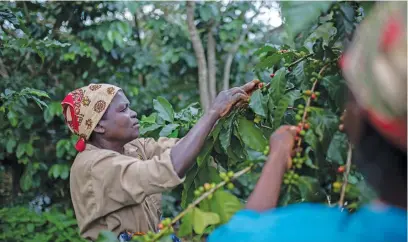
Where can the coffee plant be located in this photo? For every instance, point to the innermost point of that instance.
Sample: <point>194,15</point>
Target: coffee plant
<point>304,88</point>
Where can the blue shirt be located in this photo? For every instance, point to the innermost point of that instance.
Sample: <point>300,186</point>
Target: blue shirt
<point>313,222</point>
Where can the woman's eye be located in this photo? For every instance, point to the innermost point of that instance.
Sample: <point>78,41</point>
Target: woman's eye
<point>123,110</point>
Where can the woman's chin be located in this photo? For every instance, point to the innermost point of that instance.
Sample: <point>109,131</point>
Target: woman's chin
<point>135,133</point>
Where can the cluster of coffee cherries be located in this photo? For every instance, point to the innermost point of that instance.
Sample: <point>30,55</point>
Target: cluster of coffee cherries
<point>298,160</point>
<point>290,177</point>
<point>300,111</point>
<point>311,94</point>
<point>205,188</point>
<point>266,150</point>
<point>165,223</point>
<point>227,178</point>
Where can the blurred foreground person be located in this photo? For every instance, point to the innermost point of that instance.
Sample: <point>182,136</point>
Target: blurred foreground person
<point>376,123</point>
<point>117,178</point>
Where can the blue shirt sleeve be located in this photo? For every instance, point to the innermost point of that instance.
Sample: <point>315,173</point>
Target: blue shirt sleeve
<point>310,222</point>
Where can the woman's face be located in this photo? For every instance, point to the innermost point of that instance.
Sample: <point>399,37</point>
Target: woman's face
<point>119,123</point>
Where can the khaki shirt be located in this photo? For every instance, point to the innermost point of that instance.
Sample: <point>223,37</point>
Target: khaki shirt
<point>117,192</point>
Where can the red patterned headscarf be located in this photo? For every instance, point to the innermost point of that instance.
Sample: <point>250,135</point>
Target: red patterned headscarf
<point>84,107</point>
<point>375,67</point>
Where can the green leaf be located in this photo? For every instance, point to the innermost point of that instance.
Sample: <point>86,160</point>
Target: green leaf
<point>309,161</point>
<point>110,35</point>
<point>205,152</point>
<point>188,187</point>
<point>29,149</point>
<point>20,150</point>
<point>151,119</point>
<point>278,85</point>
<point>107,45</point>
<point>168,129</point>
<point>337,151</point>
<point>251,135</point>
<point>300,15</point>
<point>254,155</point>
<point>266,48</point>
<point>285,198</point>
<point>311,139</point>
<point>325,125</point>
<point>205,12</point>
<point>257,103</point>
<point>202,219</point>
<point>144,130</point>
<point>225,205</point>
<point>65,172</point>
<point>35,92</point>
<point>11,143</point>
<point>337,89</point>
<point>28,121</point>
<point>26,180</point>
<point>39,102</point>
<point>39,53</point>
<point>106,236</point>
<point>299,72</point>
<point>30,227</point>
<point>164,109</point>
<point>309,188</point>
<point>186,227</point>
<point>344,21</point>
<point>174,134</point>
<point>269,61</point>
<point>13,118</point>
<point>48,117</point>
<point>225,136</point>
<point>56,170</point>
<point>280,111</point>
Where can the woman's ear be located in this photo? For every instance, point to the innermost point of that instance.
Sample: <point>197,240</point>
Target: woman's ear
<point>99,129</point>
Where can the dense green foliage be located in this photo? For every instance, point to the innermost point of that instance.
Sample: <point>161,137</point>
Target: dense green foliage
<point>145,48</point>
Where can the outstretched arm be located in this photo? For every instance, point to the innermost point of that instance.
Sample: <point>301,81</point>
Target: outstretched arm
<point>183,154</point>
<point>266,193</point>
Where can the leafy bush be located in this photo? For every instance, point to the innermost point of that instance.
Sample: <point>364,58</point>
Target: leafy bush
<point>23,224</point>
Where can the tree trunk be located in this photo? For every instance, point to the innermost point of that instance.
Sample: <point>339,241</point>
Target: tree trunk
<point>212,71</point>
<point>233,51</point>
<point>140,76</point>
<point>199,53</point>
<point>230,58</point>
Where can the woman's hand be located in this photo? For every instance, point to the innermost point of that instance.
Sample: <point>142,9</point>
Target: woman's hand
<point>227,99</point>
<point>282,141</point>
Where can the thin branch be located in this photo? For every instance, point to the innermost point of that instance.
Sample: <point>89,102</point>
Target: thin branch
<point>198,200</point>
<point>345,179</point>
<point>309,101</point>
<point>300,60</point>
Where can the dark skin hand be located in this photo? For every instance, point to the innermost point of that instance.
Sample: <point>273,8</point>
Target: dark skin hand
<point>266,193</point>
<point>184,153</point>
<point>120,125</point>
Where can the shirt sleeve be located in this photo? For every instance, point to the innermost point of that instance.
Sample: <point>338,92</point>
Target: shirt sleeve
<point>121,180</point>
<point>154,148</point>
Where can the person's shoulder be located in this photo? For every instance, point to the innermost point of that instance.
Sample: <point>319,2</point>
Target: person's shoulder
<point>300,222</point>
<point>91,155</point>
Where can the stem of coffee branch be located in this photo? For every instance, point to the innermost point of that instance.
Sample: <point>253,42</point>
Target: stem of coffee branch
<point>345,179</point>
<point>198,200</point>
<point>309,101</point>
